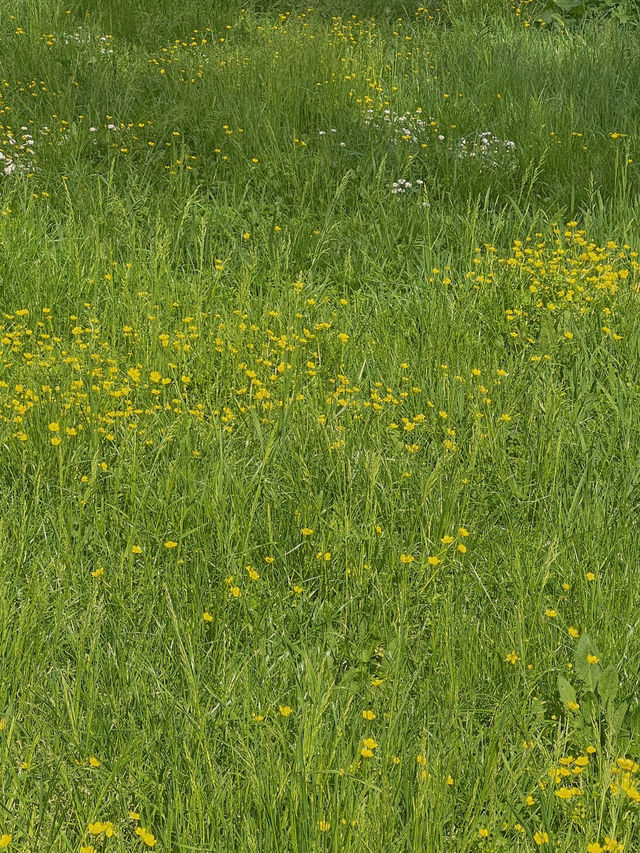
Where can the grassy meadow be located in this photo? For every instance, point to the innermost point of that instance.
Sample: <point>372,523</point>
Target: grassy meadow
<point>319,435</point>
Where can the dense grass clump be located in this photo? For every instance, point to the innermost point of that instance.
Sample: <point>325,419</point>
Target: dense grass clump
<point>318,416</point>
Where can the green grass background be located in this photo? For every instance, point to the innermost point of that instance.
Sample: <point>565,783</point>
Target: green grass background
<point>123,240</point>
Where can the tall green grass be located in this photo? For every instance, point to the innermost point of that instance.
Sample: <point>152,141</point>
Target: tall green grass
<point>304,269</point>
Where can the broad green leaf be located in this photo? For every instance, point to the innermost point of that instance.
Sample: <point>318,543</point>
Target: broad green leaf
<point>589,707</point>
<point>608,684</point>
<point>618,718</point>
<point>566,691</point>
<point>634,722</point>
<point>586,661</point>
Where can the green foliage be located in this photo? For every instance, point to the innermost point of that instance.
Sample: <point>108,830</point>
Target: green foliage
<point>593,704</point>
<point>565,11</point>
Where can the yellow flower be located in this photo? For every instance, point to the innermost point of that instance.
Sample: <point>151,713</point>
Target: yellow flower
<point>146,836</point>
<point>594,847</point>
<point>368,715</point>
<point>89,848</point>
<point>306,531</point>
<point>573,632</point>
<point>97,573</point>
<point>434,561</point>
<point>590,576</point>
<point>447,540</point>
<point>54,426</point>
<point>170,544</point>
<point>285,710</point>
<point>483,833</point>
<point>462,548</point>
<point>541,838</point>
<point>592,659</point>
<point>564,793</point>
<point>134,816</point>
<point>365,752</point>
<point>93,761</point>
<point>551,613</point>
<point>136,549</point>
<point>463,531</point>
<point>99,827</point>
<point>406,558</point>
<point>56,440</point>
<point>324,826</point>
<point>207,617</point>
<point>573,706</point>
<point>235,591</point>
<point>512,658</point>
<point>155,376</point>
<point>343,337</point>
<point>370,743</point>
<point>5,840</point>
